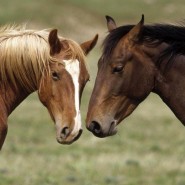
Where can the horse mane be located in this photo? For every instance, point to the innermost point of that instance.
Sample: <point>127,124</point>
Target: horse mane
<point>25,55</point>
<point>151,35</point>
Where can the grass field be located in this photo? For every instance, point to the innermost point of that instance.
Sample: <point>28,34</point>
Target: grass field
<point>149,148</point>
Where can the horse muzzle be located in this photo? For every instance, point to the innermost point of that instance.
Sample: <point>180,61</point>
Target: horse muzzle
<point>100,130</point>
<point>64,136</point>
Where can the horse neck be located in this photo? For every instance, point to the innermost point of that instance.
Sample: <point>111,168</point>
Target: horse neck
<point>11,97</point>
<point>170,85</point>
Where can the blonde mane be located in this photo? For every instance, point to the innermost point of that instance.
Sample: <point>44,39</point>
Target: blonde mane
<point>25,55</point>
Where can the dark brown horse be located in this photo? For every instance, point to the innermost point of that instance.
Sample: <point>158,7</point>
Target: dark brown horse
<point>136,60</point>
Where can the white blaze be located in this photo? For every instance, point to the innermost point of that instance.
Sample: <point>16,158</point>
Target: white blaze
<point>73,68</point>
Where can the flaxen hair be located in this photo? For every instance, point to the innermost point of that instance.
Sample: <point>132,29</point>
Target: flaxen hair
<point>25,56</point>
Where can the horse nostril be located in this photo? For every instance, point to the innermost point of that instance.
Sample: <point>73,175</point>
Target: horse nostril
<point>95,127</point>
<point>64,132</point>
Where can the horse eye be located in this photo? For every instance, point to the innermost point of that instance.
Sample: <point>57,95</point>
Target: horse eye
<point>55,76</point>
<point>118,69</point>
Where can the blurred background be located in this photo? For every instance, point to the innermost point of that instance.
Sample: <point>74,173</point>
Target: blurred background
<point>149,148</point>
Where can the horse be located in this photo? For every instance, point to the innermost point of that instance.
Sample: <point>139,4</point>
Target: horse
<point>43,61</point>
<point>137,60</point>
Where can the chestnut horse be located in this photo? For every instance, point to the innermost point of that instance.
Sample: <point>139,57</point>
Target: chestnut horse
<point>136,60</point>
<point>41,60</point>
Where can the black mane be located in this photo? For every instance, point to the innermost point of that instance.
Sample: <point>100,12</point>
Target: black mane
<point>154,34</point>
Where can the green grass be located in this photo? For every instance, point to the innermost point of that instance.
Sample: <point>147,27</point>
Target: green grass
<point>149,147</point>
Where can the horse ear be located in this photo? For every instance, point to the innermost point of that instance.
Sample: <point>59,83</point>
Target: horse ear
<point>111,24</point>
<point>54,42</point>
<point>135,33</point>
<point>89,45</point>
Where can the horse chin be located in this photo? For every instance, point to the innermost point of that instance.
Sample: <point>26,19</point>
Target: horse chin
<point>113,129</point>
<point>114,132</point>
